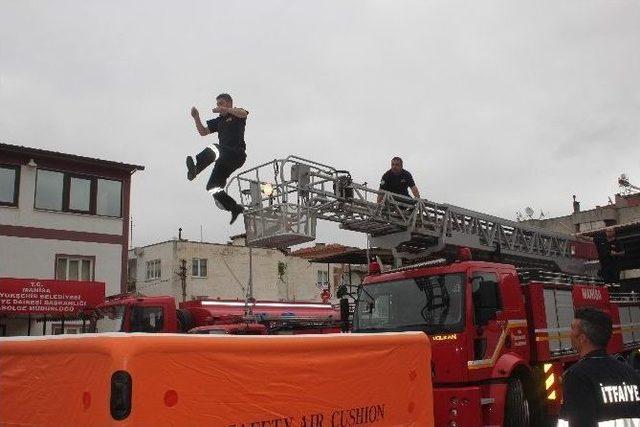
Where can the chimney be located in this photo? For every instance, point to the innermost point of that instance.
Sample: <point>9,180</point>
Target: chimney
<point>576,205</point>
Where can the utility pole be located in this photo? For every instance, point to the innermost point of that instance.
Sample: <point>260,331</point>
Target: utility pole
<point>248,306</point>
<point>131,232</point>
<point>183,278</point>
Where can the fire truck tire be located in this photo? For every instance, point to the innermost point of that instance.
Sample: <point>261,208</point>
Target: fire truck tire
<point>185,320</point>
<point>516,408</point>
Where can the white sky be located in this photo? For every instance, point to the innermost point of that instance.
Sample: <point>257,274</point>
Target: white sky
<point>494,105</point>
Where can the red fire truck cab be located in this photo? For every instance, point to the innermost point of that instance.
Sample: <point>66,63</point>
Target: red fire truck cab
<point>499,335</point>
<point>153,314</point>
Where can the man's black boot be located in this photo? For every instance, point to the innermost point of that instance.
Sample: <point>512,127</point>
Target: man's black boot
<point>226,202</point>
<point>235,212</point>
<point>191,169</point>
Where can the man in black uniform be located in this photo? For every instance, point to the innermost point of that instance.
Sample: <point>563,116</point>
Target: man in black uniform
<point>598,389</point>
<point>398,180</point>
<point>228,155</point>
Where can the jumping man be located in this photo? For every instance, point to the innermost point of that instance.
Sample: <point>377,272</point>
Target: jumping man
<point>227,156</point>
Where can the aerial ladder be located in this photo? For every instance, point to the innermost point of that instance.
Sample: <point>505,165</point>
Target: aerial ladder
<point>285,198</point>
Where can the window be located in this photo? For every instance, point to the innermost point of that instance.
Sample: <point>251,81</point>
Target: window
<point>59,191</point>
<point>110,319</point>
<point>9,185</point>
<point>486,297</point>
<point>109,197</point>
<point>56,329</point>
<point>73,267</point>
<point>153,269</point>
<point>323,279</point>
<point>433,303</point>
<point>79,194</point>
<point>199,267</point>
<point>49,190</point>
<point>147,319</point>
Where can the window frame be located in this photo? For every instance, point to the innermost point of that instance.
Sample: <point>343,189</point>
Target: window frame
<point>320,284</point>
<point>206,265</point>
<point>499,299</point>
<point>66,193</point>
<point>95,199</point>
<point>16,185</point>
<point>152,263</point>
<point>35,191</point>
<point>57,327</point>
<point>91,258</point>
<point>137,316</point>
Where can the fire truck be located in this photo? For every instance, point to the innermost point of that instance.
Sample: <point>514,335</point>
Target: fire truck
<point>158,314</point>
<point>500,334</point>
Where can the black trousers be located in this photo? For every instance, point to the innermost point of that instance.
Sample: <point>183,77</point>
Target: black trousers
<point>228,162</point>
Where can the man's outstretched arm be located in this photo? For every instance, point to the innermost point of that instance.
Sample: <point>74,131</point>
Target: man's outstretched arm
<point>202,129</point>
<point>415,191</point>
<point>238,112</point>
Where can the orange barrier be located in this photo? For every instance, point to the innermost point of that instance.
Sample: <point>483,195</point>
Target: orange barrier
<point>232,381</point>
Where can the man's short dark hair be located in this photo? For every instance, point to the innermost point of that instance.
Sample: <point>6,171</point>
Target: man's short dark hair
<point>225,96</point>
<point>595,324</point>
<point>397,159</point>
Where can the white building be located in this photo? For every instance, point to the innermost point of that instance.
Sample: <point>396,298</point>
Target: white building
<point>222,271</point>
<point>63,217</point>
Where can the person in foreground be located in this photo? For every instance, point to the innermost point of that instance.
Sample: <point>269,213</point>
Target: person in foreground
<point>598,390</point>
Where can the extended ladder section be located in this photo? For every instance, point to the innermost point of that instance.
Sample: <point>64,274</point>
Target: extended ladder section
<point>285,198</point>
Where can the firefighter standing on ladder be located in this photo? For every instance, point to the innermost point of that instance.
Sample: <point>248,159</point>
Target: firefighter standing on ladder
<point>227,156</point>
<point>598,389</point>
<point>398,180</point>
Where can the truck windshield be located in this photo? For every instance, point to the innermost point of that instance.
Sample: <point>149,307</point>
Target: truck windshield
<point>434,304</point>
<point>110,319</point>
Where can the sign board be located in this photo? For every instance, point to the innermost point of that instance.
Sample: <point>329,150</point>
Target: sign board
<point>58,297</point>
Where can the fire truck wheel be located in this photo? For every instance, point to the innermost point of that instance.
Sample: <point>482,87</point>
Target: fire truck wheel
<point>185,320</point>
<point>516,408</point>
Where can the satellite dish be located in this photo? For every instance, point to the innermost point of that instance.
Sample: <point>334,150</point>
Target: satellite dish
<point>529,211</point>
<point>623,181</point>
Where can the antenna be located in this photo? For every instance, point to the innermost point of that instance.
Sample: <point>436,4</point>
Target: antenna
<point>529,211</point>
<point>625,185</point>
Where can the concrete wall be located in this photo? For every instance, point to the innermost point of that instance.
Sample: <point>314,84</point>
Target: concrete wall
<point>228,272</point>
<point>165,253</point>
<point>589,220</point>
<point>35,258</point>
<point>626,215</point>
<point>26,216</point>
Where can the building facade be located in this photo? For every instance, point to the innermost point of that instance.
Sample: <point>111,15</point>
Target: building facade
<point>63,217</point>
<point>215,270</point>
<point>624,209</point>
<point>615,229</point>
